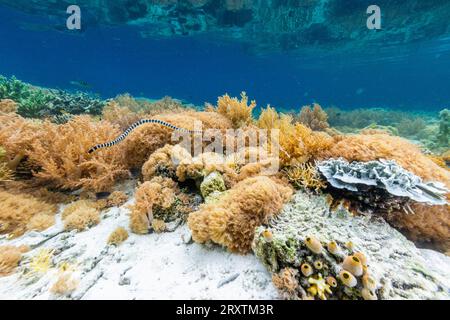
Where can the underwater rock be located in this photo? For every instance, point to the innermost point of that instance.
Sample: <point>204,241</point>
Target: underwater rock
<point>393,267</point>
<point>384,174</point>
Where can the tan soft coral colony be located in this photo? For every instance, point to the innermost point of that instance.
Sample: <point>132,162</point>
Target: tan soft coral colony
<point>232,219</point>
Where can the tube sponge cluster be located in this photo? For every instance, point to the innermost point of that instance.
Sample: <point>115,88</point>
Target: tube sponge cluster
<point>231,219</point>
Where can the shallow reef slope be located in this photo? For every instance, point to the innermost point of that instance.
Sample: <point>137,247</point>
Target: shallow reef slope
<point>400,270</point>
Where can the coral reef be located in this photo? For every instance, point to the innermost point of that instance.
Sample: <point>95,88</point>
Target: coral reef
<point>232,219</point>
<point>238,111</point>
<point>35,102</point>
<point>384,174</point>
<point>376,248</point>
<point>314,118</point>
<point>20,211</point>
<point>118,236</point>
<point>159,198</point>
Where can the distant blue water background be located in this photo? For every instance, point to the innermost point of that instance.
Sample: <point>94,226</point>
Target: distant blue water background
<point>199,69</point>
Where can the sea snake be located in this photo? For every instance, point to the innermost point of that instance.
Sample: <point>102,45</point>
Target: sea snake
<point>134,126</point>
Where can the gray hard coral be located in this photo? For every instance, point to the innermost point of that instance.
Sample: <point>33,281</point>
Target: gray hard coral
<point>382,174</point>
<point>393,267</point>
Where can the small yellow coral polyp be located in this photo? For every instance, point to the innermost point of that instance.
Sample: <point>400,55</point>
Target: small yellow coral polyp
<point>319,287</point>
<point>41,262</point>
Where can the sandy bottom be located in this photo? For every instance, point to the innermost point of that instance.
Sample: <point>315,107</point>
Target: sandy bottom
<point>154,266</point>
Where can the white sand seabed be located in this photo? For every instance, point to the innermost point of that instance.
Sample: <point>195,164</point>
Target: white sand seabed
<point>154,266</point>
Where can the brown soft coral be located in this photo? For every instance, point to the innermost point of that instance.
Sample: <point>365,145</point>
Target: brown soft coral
<point>10,257</point>
<point>314,118</point>
<point>231,220</point>
<point>80,215</point>
<point>61,154</point>
<point>20,211</point>
<point>8,106</point>
<point>17,136</point>
<point>158,198</point>
<point>238,111</point>
<point>118,236</point>
<point>428,224</point>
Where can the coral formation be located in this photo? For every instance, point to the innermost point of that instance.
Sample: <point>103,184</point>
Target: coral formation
<point>124,110</point>
<point>61,154</point>
<point>385,174</point>
<point>298,143</point>
<point>35,102</point>
<point>65,285</point>
<point>212,183</point>
<point>8,106</point>
<point>238,111</point>
<point>231,220</point>
<point>304,175</point>
<point>20,211</point>
<point>158,198</point>
<point>80,216</point>
<point>366,148</point>
<point>10,257</point>
<point>314,118</point>
<point>118,236</point>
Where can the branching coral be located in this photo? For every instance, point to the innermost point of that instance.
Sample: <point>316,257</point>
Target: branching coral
<point>238,111</point>
<point>158,198</point>
<point>80,216</point>
<point>61,154</point>
<point>231,220</point>
<point>118,236</point>
<point>314,118</point>
<point>304,175</point>
<point>298,143</point>
<point>18,210</point>
<point>10,257</point>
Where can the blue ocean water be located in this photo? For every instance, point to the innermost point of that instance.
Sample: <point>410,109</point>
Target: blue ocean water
<point>198,69</point>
